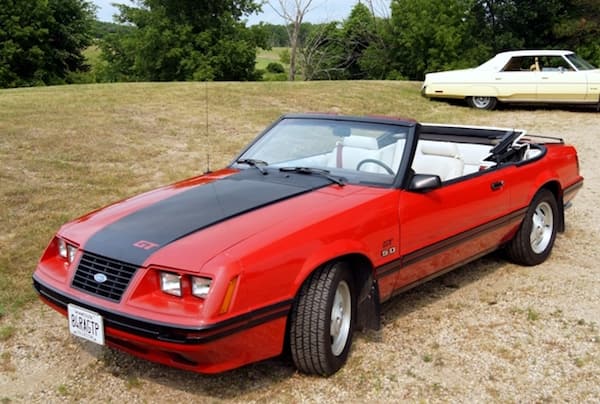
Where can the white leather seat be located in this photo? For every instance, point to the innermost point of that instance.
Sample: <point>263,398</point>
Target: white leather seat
<point>438,158</point>
<point>352,150</point>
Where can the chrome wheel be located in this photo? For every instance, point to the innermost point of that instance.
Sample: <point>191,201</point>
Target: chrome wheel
<point>542,227</point>
<point>534,240</point>
<point>341,315</point>
<point>482,102</point>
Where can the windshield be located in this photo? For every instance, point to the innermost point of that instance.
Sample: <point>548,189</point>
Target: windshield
<point>358,151</point>
<point>579,63</point>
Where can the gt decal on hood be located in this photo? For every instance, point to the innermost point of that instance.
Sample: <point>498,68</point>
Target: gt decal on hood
<point>135,237</point>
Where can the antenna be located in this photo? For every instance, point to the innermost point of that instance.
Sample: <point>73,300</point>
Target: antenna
<point>207,132</point>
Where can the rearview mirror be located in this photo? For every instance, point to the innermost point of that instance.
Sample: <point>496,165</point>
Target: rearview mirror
<point>424,182</point>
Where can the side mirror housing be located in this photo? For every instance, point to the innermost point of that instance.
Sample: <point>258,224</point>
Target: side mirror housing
<point>424,183</point>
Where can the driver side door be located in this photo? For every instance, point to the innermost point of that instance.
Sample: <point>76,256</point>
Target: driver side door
<point>449,226</point>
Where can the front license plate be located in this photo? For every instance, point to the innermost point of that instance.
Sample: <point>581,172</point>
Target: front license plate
<point>86,324</point>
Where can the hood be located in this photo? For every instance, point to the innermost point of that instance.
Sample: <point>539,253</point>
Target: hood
<point>131,234</point>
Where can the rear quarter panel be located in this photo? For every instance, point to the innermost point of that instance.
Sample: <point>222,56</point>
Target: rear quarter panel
<point>558,165</point>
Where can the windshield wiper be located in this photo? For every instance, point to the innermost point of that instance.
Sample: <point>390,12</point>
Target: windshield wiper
<point>256,164</point>
<point>311,171</point>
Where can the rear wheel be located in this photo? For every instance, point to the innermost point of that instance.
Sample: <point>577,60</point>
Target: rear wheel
<point>322,320</point>
<point>479,102</point>
<point>534,241</point>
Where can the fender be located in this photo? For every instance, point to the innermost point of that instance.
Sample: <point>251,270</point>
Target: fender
<point>326,253</point>
<point>368,311</point>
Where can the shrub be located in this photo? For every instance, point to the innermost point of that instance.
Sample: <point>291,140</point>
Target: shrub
<point>275,67</point>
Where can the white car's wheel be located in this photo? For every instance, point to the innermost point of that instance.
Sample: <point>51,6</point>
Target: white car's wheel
<point>480,102</point>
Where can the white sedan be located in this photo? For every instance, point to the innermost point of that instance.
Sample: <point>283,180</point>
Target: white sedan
<point>532,76</point>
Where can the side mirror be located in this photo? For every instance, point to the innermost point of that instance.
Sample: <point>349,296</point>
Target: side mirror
<point>424,183</point>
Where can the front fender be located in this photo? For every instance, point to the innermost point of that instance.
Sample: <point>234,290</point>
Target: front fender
<point>326,253</point>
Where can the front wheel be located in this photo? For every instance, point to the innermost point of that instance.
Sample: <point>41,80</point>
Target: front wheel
<point>479,102</point>
<point>322,320</point>
<point>535,238</point>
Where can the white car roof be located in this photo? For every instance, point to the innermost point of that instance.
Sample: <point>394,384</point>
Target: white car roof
<point>500,60</point>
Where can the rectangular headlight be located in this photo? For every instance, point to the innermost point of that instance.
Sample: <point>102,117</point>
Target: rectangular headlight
<point>62,248</point>
<point>71,251</point>
<point>66,250</point>
<point>170,283</point>
<point>200,286</point>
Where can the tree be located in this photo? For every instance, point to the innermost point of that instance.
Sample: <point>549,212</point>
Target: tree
<point>579,29</point>
<point>41,41</point>
<point>323,54</point>
<point>432,35</point>
<point>184,40</point>
<point>336,51</point>
<point>292,12</point>
<point>359,32</point>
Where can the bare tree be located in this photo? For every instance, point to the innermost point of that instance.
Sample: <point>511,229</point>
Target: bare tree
<point>292,12</point>
<point>320,57</point>
<point>379,7</point>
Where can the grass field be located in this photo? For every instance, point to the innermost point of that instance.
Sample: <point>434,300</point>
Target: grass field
<point>67,150</point>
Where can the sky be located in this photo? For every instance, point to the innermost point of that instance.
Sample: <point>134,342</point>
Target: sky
<point>320,11</point>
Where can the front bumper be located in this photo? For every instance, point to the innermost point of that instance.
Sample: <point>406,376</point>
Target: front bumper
<point>210,348</point>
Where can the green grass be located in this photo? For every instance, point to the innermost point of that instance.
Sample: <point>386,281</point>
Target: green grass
<point>67,150</point>
<point>264,57</point>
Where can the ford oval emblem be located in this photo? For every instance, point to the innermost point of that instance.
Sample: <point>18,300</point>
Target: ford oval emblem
<point>100,278</point>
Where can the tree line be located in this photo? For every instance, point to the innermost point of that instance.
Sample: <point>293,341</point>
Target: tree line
<point>42,41</point>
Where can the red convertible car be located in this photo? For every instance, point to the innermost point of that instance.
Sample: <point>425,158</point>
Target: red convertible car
<point>297,243</point>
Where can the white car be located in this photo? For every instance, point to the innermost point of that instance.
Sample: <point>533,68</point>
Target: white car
<point>527,76</point>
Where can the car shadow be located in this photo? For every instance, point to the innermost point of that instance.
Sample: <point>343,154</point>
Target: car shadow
<point>549,107</point>
<point>264,375</point>
<point>441,288</point>
<point>587,108</point>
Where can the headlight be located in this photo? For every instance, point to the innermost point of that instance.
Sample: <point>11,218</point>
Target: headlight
<point>200,286</point>
<point>170,283</point>
<point>66,250</point>
<point>62,248</point>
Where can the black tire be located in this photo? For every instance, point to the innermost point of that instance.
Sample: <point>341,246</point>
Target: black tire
<point>479,102</point>
<point>535,238</point>
<point>314,344</point>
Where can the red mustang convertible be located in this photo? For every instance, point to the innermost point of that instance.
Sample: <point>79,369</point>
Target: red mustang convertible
<point>297,243</point>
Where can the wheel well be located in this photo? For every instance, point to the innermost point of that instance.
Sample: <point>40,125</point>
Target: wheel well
<point>368,312</point>
<point>554,187</point>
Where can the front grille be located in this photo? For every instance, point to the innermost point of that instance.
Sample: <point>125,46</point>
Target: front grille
<point>117,273</point>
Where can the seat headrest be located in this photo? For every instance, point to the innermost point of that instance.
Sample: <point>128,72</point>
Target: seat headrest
<point>440,149</point>
<point>361,142</point>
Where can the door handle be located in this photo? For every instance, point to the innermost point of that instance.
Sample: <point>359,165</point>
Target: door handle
<point>497,185</point>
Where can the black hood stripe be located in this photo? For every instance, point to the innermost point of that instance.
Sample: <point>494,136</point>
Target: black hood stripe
<point>135,237</point>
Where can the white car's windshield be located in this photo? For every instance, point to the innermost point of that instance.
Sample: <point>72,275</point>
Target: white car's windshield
<point>356,150</point>
<point>580,63</point>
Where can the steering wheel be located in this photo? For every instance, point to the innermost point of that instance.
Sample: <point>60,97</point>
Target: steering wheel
<point>377,162</point>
